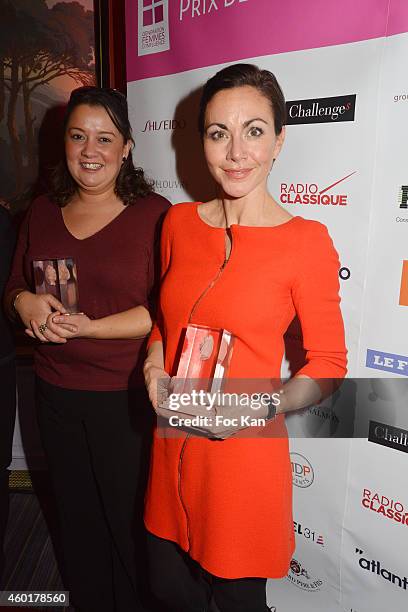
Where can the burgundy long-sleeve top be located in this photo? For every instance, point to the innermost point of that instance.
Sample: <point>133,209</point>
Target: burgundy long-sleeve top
<point>116,270</point>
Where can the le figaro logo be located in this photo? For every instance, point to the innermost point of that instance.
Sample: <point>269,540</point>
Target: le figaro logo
<point>321,110</point>
<point>388,362</point>
<point>375,567</point>
<point>385,506</point>
<point>302,471</point>
<point>312,193</point>
<point>153,26</point>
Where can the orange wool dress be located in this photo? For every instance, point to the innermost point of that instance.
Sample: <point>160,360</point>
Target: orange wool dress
<point>228,503</point>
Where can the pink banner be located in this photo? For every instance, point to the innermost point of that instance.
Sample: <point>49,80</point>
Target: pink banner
<point>169,36</point>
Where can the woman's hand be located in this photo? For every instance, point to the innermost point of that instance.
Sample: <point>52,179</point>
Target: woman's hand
<point>73,325</point>
<point>34,311</point>
<point>157,384</point>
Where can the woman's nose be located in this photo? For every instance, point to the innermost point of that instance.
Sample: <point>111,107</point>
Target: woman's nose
<point>89,148</point>
<point>237,151</point>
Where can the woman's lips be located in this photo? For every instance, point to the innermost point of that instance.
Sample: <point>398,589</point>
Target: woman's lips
<point>91,166</point>
<point>238,174</point>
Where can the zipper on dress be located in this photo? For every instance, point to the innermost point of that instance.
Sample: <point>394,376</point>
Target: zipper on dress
<point>196,303</point>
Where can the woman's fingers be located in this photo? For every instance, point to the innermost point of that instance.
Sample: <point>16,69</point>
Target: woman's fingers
<point>44,334</point>
<point>54,303</point>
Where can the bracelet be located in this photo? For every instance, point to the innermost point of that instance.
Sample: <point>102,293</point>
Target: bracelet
<point>16,298</point>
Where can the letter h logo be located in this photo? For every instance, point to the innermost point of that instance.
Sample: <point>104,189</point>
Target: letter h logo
<point>153,12</point>
<point>153,27</point>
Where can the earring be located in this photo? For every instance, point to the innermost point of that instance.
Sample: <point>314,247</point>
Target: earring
<point>124,159</point>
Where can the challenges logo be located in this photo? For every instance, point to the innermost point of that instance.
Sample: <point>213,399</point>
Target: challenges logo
<point>311,193</point>
<point>388,435</point>
<point>302,471</point>
<point>321,110</point>
<point>153,27</point>
<point>299,576</point>
<point>386,507</point>
<point>376,568</point>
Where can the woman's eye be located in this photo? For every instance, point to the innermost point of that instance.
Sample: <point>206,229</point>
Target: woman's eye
<point>104,139</point>
<point>76,136</point>
<point>218,135</point>
<point>255,131</point>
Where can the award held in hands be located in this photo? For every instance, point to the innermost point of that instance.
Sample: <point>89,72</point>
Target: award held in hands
<point>58,277</point>
<point>204,360</point>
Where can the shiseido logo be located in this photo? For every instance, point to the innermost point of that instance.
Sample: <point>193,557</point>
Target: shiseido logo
<point>388,362</point>
<point>300,577</point>
<point>388,435</point>
<point>385,506</point>
<point>321,110</point>
<point>153,26</point>
<point>153,125</point>
<point>375,567</point>
<point>302,471</point>
<point>312,193</point>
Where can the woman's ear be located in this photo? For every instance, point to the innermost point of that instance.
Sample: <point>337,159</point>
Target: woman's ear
<point>280,139</point>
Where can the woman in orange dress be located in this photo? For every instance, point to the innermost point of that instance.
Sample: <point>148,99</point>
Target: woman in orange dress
<point>219,508</point>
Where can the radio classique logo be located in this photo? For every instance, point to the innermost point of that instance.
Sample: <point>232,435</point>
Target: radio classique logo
<point>311,193</point>
<point>385,506</point>
<point>153,27</point>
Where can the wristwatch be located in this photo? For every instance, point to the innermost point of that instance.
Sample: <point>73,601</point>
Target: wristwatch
<point>271,409</point>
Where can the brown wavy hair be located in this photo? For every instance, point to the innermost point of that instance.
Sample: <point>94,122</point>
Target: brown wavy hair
<point>131,182</point>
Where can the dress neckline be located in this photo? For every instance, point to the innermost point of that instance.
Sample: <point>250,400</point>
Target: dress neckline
<point>244,227</point>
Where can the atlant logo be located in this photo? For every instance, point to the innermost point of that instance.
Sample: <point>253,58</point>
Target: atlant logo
<point>403,299</point>
<point>403,196</point>
<point>153,26</point>
<point>321,110</point>
<point>375,567</point>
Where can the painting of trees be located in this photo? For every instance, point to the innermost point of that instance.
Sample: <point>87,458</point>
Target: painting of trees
<point>38,44</point>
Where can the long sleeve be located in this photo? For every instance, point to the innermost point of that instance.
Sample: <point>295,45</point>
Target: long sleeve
<point>165,257</point>
<point>17,278</point>
<point>316,298</point>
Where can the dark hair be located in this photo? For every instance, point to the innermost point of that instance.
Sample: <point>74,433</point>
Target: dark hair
<point>239,75</point>
<point>130,182</point>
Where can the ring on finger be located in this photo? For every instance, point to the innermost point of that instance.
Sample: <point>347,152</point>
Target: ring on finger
<point>42,327</point>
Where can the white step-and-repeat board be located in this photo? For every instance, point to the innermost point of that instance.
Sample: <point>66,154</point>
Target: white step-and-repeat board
<point>343,69</point>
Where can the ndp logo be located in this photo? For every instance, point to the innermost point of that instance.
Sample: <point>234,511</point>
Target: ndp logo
<point>153,26</point>
<point>302,471</point>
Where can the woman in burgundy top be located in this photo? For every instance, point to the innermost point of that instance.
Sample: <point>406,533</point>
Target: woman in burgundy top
<point>102,219</point>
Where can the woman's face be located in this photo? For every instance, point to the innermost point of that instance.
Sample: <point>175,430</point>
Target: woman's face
<point>240,143</point>
<point>50,275</point>
<point>94,149</point>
